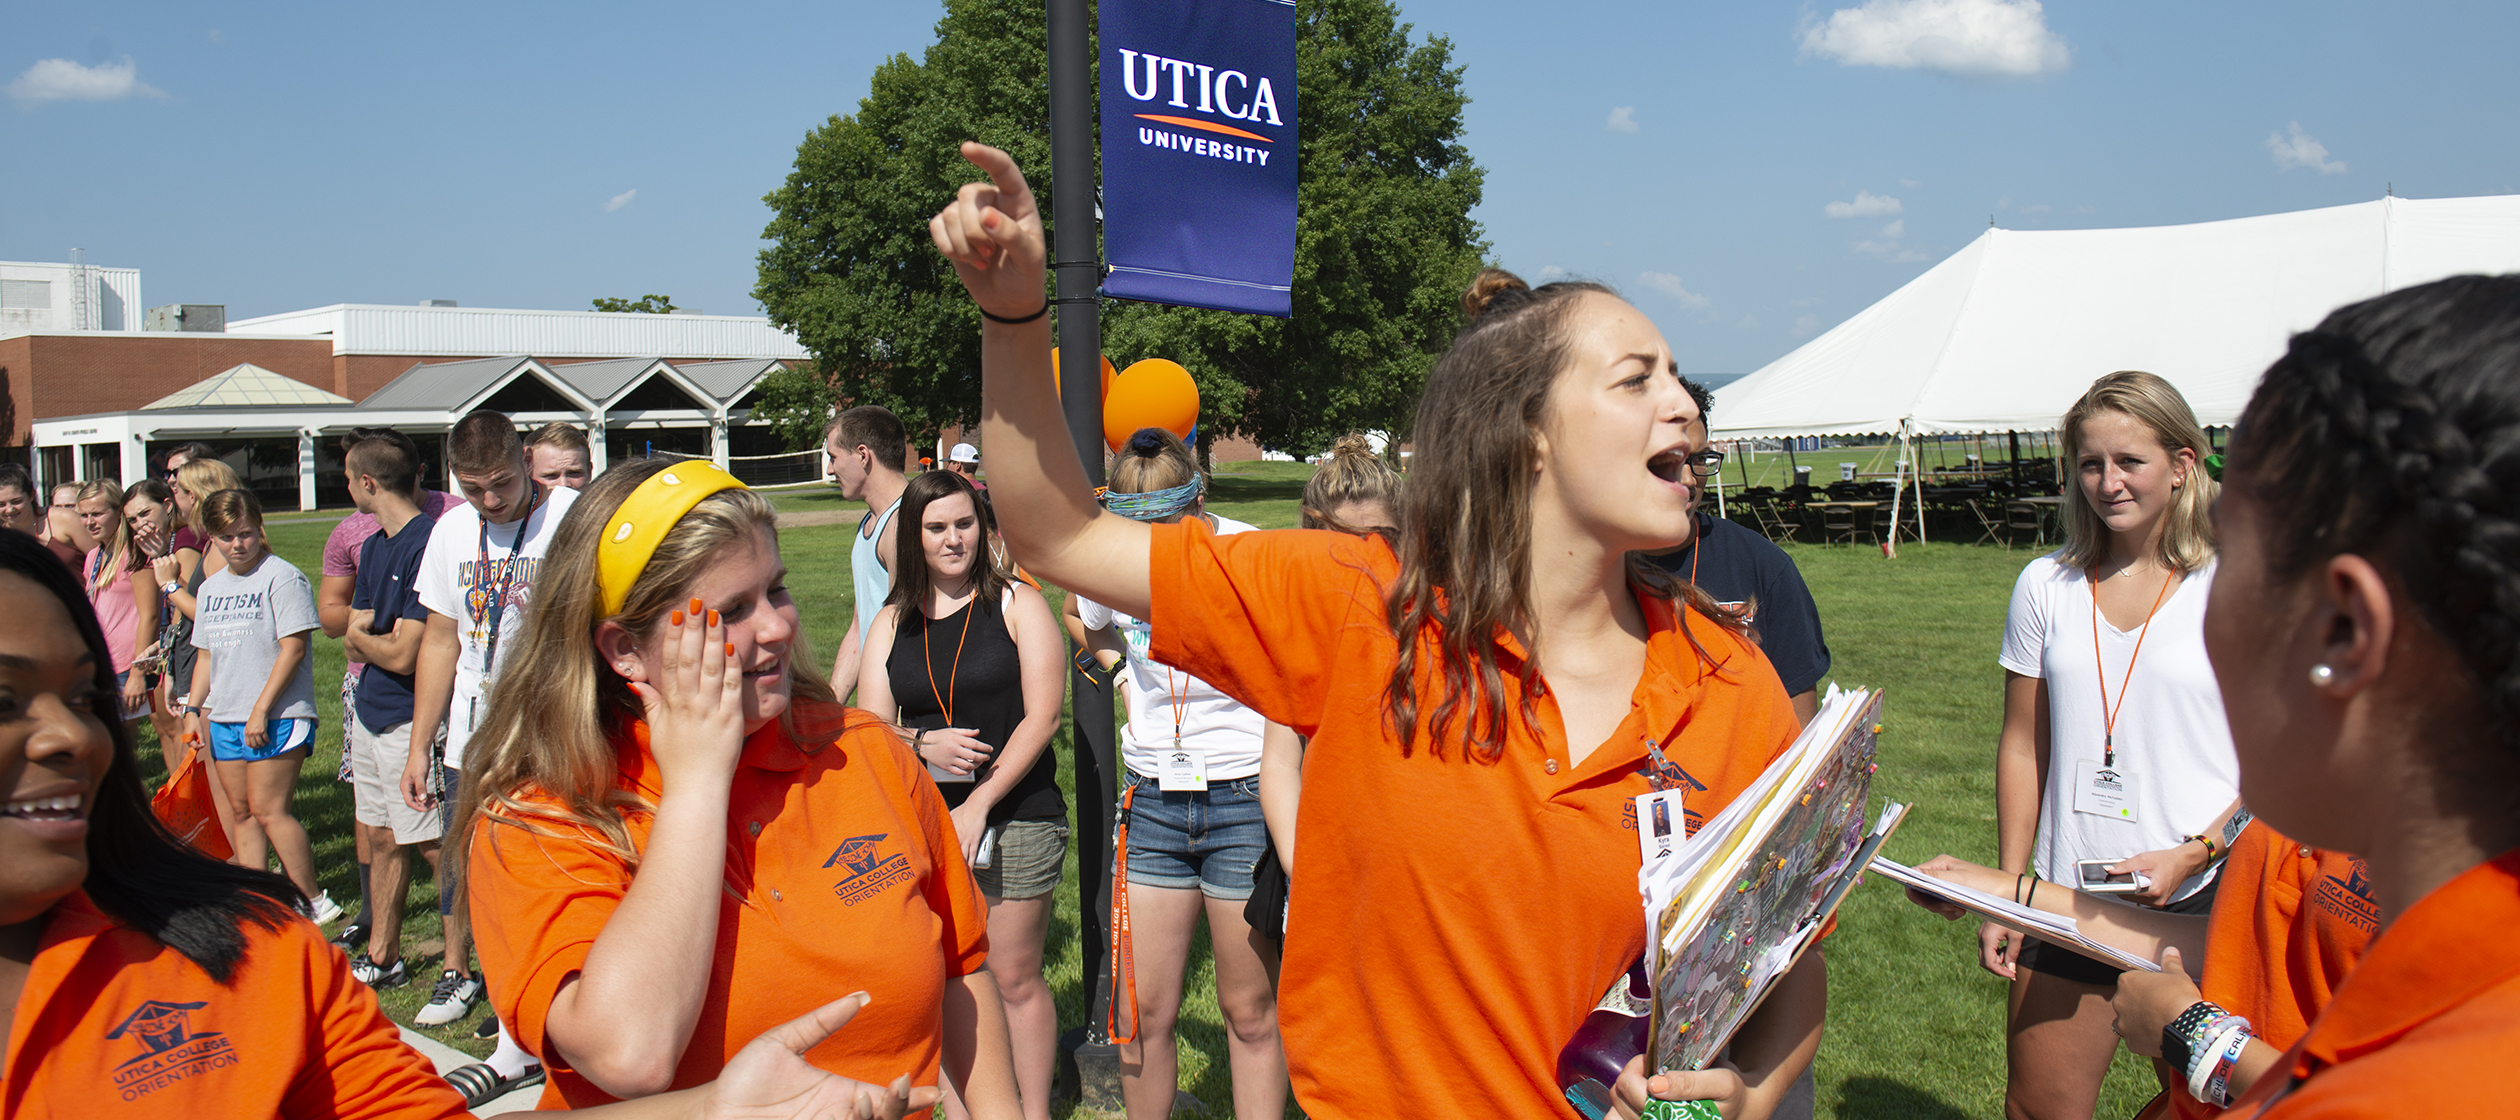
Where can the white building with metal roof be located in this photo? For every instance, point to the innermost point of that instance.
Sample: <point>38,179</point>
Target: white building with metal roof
<point>635,405</point>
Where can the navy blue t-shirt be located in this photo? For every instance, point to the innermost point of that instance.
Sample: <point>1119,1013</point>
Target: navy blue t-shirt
<point>1746,570</point>
<point>389,584</point>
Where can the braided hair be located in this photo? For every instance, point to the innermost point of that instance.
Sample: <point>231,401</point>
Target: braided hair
<point>2401,414</point>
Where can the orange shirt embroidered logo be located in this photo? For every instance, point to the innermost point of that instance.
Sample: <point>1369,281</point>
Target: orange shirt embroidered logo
<point>2350,899</point>
<point>169,1049</point>
<point>871,872</point>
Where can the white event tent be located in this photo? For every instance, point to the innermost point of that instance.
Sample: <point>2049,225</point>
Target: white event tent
<point>2005,334</point>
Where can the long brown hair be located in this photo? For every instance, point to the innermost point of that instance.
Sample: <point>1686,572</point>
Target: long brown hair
<point>911,577</point>
<point>559,707</point>
<point>1465,516</point>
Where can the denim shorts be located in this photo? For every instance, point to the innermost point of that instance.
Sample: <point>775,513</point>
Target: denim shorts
<point>1204,841</point>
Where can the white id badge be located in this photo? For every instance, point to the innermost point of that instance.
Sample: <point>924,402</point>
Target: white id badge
<point>2104,791</point>
<point>944,776</point>
<point>1185,771</point>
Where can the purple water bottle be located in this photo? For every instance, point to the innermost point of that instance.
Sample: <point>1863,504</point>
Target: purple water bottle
<point>1611,1037</point>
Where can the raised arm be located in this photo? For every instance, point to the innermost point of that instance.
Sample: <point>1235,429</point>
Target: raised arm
<point>992,233</point>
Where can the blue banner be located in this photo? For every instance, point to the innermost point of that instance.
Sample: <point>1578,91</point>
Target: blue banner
<point>1198,147</point>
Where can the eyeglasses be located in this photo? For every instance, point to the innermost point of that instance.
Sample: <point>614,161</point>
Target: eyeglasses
<point>1705,463</point>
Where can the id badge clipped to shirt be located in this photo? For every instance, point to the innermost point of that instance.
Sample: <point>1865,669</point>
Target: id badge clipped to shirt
<point>944,776</point>
<point>1184,771</point>
<point>2104,791</point>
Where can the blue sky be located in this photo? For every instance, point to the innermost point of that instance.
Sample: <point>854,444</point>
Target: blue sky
<point>273,157</point>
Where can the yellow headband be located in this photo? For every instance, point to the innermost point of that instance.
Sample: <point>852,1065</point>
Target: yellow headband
<point>650,512</point>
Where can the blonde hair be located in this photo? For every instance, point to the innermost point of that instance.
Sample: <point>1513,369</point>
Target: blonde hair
<point>553,720</point>
<point>1353,474</point>
<point>1153,459</point>
<point>113,549</point>
<point>2187,530</point>
<point>200,478</point>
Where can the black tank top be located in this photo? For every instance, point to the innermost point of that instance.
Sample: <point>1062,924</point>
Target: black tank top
<point>987,691</point>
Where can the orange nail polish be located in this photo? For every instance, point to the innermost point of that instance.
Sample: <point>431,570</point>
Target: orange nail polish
<point>730,649</point>
<point>674,619</point>
<point>713,619</point>
<point>695,605</point>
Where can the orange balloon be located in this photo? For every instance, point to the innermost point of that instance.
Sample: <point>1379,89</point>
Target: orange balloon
<point>1107,372</point>
<point>1155,393</point>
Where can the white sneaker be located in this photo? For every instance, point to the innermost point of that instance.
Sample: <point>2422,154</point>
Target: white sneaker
<point>450,1000</point>
<point>322,910</point>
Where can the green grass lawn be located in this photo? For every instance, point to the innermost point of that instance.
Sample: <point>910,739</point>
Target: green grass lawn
<point>1915,1027</point>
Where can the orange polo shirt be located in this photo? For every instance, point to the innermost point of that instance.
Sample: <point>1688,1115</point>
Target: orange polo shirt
<point>842,873</point>
<point>113,1023</point>
<point>1452,920</point>
<point>2290,921</point>
<point>2427,1025</point>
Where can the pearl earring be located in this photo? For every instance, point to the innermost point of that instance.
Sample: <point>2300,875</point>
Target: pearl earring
<point>2322,675</point>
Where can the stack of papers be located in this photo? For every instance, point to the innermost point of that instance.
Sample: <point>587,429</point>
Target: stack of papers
<point>2055,929</point>
<point>1730,909</point>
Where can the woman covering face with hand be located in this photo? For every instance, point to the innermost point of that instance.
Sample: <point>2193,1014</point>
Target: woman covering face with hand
<point>675,837</point>
<point>138,976</point>
<point>970,662</point>
<point>1482,703</point>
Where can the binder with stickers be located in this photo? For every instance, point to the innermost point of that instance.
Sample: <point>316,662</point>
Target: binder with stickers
<point>1729,910</point>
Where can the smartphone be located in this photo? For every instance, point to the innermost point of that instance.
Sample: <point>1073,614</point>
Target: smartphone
<point>987,854</point>
<point>2096,878</point>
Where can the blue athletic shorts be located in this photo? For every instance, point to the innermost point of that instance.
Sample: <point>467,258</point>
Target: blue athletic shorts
<point>1207,842</point>
<point>227,740</point>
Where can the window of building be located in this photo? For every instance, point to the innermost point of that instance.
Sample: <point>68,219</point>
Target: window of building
<point>26,295</point>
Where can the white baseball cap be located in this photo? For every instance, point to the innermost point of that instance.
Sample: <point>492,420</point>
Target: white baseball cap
<point>964,453</point>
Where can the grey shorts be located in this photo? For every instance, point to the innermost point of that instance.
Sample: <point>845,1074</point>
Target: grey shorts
<point>377,759</point>
<point>1031,858</point>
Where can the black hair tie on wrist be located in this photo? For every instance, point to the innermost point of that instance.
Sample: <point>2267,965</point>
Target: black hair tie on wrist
<point>1045,309</point>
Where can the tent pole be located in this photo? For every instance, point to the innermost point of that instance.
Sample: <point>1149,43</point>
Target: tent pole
<point>1898,489</point>
<point>1920,504</point>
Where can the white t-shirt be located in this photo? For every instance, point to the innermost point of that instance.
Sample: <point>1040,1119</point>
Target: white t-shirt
<point>2172,736</point>
<point>447,576</point>
<point>1210,720</point>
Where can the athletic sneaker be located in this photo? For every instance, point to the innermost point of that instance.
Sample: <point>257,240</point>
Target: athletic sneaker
<point>377,976</point>
<point>487,1028</point>
<point>352,938</point>
<point>322,910</point>
<point>450,1000</point>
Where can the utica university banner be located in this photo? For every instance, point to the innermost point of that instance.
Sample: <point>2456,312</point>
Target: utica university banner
<point>1198,147</point>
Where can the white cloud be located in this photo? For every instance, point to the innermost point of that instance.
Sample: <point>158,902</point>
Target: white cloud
<point>1622,119</point>
<point>1669,285</point>
<point>1550,273</point>
<point>2037,208</point>
<point>1977,38</point>
<point>1806,325</point>
<point>1910,184</point>
<point>1888,245</point>
<point>1866,205</point>
<point>618,201</point>
<point>59,79</point>
<point>2301,149</point>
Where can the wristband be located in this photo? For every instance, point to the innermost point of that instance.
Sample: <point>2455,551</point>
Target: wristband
<point>2218,1087</point>
<point>1045,309</point>
<point>2209,1058</point>
<point>918,738</point>
<point>169,587</point>
<point>2210,847</point>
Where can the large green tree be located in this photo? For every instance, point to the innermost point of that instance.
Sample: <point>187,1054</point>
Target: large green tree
<point>1384,240</point>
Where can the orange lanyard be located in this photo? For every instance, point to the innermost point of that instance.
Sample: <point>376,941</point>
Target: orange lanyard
<point>953,679</point>
<point>1123,947</point>
<point>1179,698</point>
<point>2108,711</point>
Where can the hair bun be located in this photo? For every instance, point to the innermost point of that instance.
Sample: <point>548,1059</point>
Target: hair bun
<point>1147,442</point>
<point>1493,289</point>
<point>1352,445</point>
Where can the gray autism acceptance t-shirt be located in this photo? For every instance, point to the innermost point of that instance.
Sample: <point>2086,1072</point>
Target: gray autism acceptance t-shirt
<point>242,621</point>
